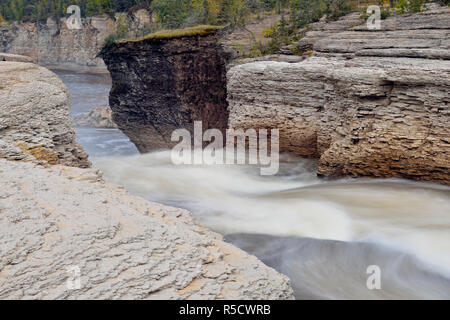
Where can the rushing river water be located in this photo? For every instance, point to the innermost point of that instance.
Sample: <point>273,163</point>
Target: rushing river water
<point>323,235</point>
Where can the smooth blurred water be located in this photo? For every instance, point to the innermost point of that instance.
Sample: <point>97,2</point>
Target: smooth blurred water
<point>88,91</point>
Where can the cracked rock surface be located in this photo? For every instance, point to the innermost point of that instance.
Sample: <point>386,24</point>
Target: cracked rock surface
<point>57,219</point>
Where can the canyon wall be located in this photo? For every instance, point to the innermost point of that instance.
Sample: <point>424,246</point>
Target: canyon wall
<point>52,43</point>
<point>368,103</point>
<point>162,84</point>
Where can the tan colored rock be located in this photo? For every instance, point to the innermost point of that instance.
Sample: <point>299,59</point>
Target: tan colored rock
<point>368,103</point>
<point>422,35</point>
<point>363,117</point>
<point>34,117</point>
<point>51,43</point>
<point>100,117</point>
<point>323,29</point>
<point>58,221</point>
<point>14,58</point>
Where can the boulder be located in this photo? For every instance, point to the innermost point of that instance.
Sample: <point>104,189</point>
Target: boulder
<point>165,82</point>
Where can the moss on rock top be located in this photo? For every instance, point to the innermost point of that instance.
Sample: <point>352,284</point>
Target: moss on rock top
<point>200,30</point>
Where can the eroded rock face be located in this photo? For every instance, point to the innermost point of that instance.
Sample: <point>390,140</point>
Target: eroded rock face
<point>160,85</point>
<point>381,114</point>
<point>422,35</point>
<point>51,43</point>
<point>34,117</point>
<point>58,221</point>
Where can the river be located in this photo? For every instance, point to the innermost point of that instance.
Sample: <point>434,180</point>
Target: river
<point>324,235</point>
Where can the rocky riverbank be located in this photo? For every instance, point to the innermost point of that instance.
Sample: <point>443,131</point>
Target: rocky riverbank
<point>166,82</point>
<point>66,234</point>
<point>367,103</point>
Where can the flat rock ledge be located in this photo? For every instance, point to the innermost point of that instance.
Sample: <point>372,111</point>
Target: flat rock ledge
<point>34,115</point>
<point>57,222</point>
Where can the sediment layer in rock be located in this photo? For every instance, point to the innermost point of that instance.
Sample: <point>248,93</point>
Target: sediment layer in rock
<point>421,35</point>
<point>160,85</point>
<point>34,116</point>
<point>379,117</point>
<point>66,234</point>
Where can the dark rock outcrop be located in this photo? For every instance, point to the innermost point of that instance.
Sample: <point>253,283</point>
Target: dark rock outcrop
<point>162,84</point>
<point>34,116</point>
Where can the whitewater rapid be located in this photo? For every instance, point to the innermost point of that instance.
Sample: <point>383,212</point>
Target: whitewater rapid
<point>347,225</point>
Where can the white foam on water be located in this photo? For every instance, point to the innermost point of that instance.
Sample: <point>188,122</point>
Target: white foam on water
<point>407,217</point>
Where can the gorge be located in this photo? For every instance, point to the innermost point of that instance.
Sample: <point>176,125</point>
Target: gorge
<point>57,215</point>
<point>365,105</point>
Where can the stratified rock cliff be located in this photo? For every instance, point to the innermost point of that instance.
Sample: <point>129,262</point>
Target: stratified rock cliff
<point>34,116</point>
<point>362,104</point>
<point>66,234</point>
<point>53,44</point>
<point>162,84</point>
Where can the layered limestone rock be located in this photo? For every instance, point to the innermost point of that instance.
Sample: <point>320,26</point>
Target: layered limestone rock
<point>100,117</point>
<point>323,29</point>
<point>66,234</point>
<point>34,116</point>
<point>163,84</point>
<point>52,43</point>
<point>382,115</point>
<point>422,35</point>
<point>14,57</point>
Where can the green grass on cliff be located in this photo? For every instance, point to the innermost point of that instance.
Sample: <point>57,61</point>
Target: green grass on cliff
<point>201,30</point>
